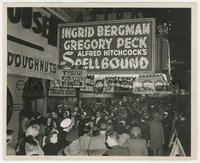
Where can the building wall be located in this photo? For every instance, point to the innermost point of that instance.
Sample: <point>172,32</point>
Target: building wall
<point>49,53</point>
<point>16,50</point>
<point>17,103</point>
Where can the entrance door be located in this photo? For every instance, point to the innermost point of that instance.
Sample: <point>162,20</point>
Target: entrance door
<point>33,95</point>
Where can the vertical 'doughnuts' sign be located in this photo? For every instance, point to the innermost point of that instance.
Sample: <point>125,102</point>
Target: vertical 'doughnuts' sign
<point>108,47</point>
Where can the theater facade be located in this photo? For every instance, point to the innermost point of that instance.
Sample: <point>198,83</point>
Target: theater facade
<point>77,56</point>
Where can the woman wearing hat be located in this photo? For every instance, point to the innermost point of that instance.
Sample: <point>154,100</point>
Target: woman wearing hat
<point>32,130</point>
<point>136,145</point>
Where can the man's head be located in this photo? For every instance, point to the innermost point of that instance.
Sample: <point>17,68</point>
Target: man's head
<point>135,132</point>
<point>156,115</point>
<point>54,115</point>
<point>112,138</point>
<point>59,107</point>
<point>103,126</point>
<point>98,114</point>
<point>52,137</point>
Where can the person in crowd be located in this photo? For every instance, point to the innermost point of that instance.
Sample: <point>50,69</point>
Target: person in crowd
<point>9,137</point>
<point>25,116</point>
<point>49,125</point>
<point>167,126</point>
<point>113,142</point>
<point>156,135</point>
<point>121,131</point>
<point>66,107</point>
<point>74,149</point>
<point>112,116</point>
<point>136,145</point>
<point>110,124</point>
<point>106,116</point>
<point>67,128</point>
<point>55,127</point>
<point>99,119</point>
<point>85,139</point>
<point>55,118</point>
<point>60,111</point>
<point>144,127</point>
<point>121,114</point>
<point>85,126</point>
<point>73,144</point>
<point>75,121</point>
<point>32,147</point>
<point>77,110</point>
<point>51,146</point>
<point>89,111</point>
<point>97,144</point>
<point>32,130</point>
<point>41,121</point>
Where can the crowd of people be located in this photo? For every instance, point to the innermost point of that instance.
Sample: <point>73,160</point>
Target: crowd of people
<point>136,127</point>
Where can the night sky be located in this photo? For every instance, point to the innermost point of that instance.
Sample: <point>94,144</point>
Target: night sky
<point>179,22</point>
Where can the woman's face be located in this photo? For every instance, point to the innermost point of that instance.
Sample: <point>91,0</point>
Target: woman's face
<point>54,138</point>
<point>49,120</point>
<point>54,115</point>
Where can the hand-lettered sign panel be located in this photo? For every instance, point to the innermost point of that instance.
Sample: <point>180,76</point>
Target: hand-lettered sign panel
<point>108,47</point>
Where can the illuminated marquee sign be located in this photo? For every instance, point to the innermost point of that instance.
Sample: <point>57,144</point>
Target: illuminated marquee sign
<point>108,47</point>
<point>150,84</point>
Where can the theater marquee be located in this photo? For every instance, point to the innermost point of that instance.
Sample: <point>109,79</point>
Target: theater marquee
<point>108,47</point>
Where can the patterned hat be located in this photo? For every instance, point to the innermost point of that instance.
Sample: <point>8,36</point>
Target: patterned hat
<point>135,131</point>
